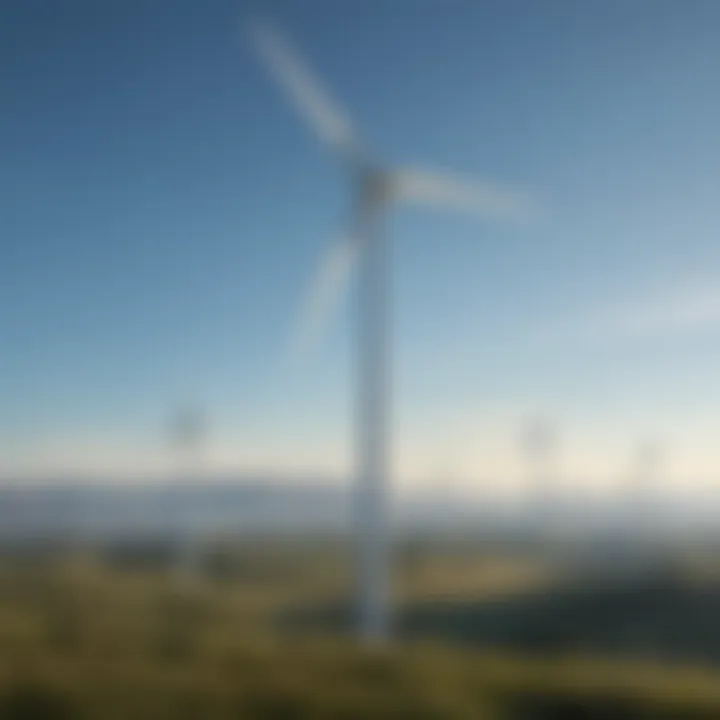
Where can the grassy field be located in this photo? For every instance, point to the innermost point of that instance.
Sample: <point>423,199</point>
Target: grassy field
<point>119,634</point>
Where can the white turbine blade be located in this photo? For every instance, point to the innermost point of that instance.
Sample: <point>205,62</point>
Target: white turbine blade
<point>330,282</point>
<point>456,193</point>
<point>330,123</point>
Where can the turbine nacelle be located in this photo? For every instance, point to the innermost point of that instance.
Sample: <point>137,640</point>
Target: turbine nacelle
<point>375,188</point>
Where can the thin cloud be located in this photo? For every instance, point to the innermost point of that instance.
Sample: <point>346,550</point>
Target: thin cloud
<point>688,309</point>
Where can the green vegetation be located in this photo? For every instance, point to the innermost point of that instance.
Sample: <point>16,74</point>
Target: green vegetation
<point>116,635</point>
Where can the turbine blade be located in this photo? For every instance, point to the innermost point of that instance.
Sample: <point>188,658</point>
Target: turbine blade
<point>456,193</point>
<point>329,122</point>
<point>325,293</point>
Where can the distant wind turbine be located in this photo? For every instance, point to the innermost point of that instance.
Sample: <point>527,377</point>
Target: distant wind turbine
<point>539,446</point>
<point>645,473</point>
<point>364,247</point>
<point>187,433</point>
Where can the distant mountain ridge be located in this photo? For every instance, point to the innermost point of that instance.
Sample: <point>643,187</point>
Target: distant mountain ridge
<point>257,503</point>
<point>213,505</point>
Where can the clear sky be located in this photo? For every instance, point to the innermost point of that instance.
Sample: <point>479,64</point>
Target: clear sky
<point>162,208</point>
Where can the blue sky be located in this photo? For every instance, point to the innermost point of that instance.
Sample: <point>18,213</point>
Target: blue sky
<point>163,207</point>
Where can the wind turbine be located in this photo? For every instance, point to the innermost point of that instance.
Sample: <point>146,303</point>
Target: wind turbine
<point>539,446</point>
<point>363,247</point>
<point>187,433</point>
<point>645,473</point>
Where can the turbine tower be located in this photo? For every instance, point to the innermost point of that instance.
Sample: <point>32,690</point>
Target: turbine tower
<point>375,188</point>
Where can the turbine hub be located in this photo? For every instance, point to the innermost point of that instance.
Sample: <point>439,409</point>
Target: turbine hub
<point>376,188</point>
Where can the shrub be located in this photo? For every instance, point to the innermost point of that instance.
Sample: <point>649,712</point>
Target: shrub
<point>38,702</point>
